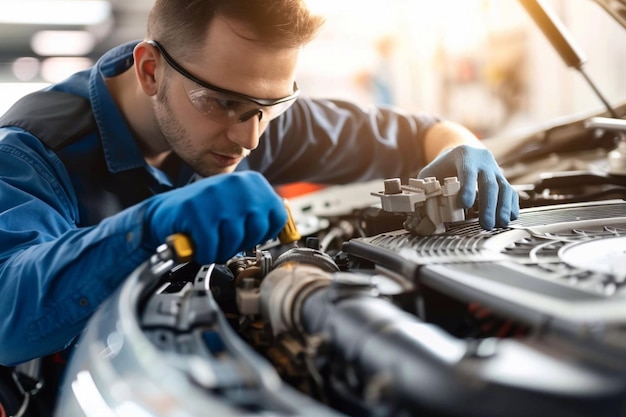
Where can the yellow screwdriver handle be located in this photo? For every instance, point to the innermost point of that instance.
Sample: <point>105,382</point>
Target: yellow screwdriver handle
<point>290,233</point>
<point>181,245</point>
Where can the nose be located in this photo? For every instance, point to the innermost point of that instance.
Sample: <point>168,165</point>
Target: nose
<point>246,133</point>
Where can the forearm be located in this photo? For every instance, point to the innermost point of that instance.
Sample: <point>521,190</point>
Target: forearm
<point>338,142</point>
<point>56,286</point>
<point>447,135</point>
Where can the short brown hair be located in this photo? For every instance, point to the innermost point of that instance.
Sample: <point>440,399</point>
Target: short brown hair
<point>180,24</point>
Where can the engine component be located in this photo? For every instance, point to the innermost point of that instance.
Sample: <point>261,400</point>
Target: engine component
<point>617,157</point>
<point>373,355</point>
<point>427,204</point>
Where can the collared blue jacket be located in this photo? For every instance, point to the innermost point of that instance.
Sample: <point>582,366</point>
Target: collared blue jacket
<point>68,238</point>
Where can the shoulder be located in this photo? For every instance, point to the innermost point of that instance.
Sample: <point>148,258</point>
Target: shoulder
<point>21,151</point>
<point>55,117</point>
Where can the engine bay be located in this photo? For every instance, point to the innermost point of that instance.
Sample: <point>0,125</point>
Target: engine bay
<point>371,309</point>
<point>524,319</point>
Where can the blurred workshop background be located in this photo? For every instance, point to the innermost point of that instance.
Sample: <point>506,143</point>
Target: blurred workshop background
<point>482,63</point>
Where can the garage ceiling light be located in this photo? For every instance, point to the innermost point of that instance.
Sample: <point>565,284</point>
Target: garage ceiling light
<point>55,12</point>
<point>56,69</point>
<point>62,42</point>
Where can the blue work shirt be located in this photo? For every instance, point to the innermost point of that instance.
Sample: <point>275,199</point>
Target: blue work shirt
<point>65,245</point>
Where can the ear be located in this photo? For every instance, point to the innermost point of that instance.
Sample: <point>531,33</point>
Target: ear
<point>146,58</point>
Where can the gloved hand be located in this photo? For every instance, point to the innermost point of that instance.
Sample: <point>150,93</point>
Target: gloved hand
<point>498,203</point>
<point>223,215</point>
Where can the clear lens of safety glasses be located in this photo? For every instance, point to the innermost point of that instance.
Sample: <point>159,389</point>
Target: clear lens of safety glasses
<point>229,109</point>
<point>225,106</point>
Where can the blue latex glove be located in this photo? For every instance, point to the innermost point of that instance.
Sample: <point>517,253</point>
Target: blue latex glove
<point>223,215</point>
<point>498,202</point>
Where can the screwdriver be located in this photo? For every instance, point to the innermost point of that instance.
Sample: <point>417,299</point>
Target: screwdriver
<point>180,247</point>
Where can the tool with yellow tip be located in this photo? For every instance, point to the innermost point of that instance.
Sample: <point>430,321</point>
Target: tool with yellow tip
<point>290,233</point>
<point>182,249</point>
<point>181,245</point>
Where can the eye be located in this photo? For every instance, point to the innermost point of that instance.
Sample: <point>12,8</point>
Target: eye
<point>226,104</point>
<point>214,104</point>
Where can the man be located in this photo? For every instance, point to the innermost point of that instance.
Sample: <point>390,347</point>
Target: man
<point>96,172</point>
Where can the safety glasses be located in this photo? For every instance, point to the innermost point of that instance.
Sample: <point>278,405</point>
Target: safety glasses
<point>224,106</point>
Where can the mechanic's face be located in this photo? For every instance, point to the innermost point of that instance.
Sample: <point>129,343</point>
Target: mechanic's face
<point>214,123</point>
